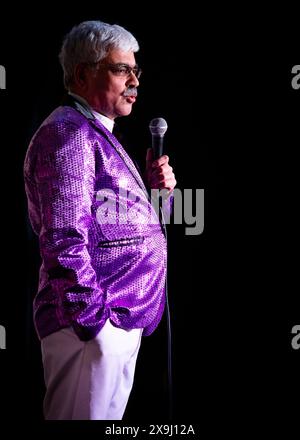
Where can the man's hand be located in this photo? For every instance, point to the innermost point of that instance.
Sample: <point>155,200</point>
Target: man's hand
<point>159,174</point>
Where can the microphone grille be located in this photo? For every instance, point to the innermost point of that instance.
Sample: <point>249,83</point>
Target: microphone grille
<point>158,126</point>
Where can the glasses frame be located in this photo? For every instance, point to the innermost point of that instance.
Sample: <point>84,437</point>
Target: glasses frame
<point>115,69</point>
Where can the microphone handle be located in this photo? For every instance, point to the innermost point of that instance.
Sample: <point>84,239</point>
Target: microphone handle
<point>157,146</point>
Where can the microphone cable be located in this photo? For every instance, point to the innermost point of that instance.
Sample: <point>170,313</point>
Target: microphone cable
<point>169,330</point>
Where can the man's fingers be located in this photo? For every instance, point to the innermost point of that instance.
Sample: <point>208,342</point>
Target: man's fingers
<point>160,161</point>
<point>160,176</point>
<point>163,181</point>
<point>162,169</point>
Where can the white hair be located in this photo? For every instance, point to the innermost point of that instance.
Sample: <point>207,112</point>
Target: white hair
<point>90,42</point>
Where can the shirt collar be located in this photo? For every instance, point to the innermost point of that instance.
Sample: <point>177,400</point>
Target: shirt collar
<point>108,123</point>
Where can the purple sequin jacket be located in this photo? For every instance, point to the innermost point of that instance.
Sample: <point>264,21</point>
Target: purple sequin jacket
<point>91,269</point>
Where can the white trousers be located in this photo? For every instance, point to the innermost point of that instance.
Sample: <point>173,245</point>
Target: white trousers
<point>89,380</point>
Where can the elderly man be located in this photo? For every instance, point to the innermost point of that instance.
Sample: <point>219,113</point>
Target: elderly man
<point>102,283</point>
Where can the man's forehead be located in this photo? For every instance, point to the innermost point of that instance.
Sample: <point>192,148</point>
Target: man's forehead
<point>120,56</point>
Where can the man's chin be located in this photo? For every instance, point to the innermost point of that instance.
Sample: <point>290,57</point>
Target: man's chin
<point>125,110</point>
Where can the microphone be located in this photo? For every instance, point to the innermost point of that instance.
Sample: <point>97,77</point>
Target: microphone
<point>158,127</point>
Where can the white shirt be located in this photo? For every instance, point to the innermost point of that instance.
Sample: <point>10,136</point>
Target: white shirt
<point>108,123</point>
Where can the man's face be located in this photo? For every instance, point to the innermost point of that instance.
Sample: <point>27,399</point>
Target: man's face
<point>106,85</point>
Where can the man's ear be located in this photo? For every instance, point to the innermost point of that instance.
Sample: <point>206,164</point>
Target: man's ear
<point>80,75</point>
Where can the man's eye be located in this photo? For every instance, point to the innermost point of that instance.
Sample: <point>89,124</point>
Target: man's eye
<point>122,69</point>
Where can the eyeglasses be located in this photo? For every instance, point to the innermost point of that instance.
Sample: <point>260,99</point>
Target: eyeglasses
<point>124,70</point>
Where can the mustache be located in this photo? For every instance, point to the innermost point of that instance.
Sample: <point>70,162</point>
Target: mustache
<point>131,91</point>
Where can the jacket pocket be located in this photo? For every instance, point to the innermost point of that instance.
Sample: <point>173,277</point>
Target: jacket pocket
<point>121,242</point>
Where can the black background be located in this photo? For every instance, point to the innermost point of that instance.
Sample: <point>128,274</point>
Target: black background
<point>222,80</point>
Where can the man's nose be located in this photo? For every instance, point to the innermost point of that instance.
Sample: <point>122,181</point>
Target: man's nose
<point>132,80</point>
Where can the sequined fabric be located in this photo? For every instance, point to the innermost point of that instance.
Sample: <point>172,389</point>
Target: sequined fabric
<point>91,270</point>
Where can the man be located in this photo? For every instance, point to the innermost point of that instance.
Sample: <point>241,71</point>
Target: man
<point>102,282</point>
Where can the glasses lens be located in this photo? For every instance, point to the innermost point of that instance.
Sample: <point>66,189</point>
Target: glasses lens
<point>124,69</point>
<point>137,71</point>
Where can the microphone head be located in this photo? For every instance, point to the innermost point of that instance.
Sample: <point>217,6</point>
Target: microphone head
<point>158,127</point>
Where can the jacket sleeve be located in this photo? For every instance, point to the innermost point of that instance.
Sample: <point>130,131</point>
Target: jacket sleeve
<point>65,174</point>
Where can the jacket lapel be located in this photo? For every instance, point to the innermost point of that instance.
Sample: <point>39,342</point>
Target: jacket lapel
<point>86,112</point>
<point>121,151</point>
